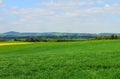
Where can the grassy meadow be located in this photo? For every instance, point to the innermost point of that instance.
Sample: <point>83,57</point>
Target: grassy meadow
<point>64,60</point>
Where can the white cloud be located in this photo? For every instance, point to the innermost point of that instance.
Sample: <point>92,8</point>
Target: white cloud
<point>2,4</point>
<point>62,15</point>
<point>100,2</point>
<point>64,4</point>
<point>107,5</point>
<point>66,9</point>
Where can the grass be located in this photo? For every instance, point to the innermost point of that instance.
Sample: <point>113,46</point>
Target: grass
<point>68,60</point>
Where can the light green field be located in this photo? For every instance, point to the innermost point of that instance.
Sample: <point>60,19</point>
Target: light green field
<point>68,60</point>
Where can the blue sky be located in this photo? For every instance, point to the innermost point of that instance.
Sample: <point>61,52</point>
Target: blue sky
<point>90,16</point>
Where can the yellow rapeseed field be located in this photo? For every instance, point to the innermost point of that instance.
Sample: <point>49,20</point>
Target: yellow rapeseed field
<point>6,44</point>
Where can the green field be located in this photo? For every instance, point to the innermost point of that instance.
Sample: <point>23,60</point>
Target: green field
<point>67,60</point>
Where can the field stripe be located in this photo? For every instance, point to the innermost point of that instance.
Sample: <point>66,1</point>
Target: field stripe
<point>6,44</point>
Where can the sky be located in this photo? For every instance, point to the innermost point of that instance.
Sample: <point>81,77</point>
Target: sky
<point>75,16</point>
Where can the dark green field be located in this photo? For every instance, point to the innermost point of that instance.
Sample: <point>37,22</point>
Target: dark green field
<point>68,60</point>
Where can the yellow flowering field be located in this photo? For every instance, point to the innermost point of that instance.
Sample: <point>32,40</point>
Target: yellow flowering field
<point>6,44</point>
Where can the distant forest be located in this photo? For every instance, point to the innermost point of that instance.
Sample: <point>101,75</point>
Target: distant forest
<point>55,37</point>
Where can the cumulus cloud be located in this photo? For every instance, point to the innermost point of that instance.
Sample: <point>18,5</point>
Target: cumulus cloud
<point>61,14</point>
<point>77,7</point>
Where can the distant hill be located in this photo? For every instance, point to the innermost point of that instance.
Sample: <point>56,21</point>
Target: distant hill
<point>11,33</point>
<point>17,34</point>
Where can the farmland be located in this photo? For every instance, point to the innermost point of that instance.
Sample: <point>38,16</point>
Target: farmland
<point>61,60</point>
<point>7,44</point>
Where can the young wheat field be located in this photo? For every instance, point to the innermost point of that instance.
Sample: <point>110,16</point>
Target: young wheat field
<point>65,60</point>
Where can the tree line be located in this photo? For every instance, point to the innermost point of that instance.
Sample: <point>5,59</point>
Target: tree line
<point>43,38</point>
<point>111,37</point>
<point>57,38</point>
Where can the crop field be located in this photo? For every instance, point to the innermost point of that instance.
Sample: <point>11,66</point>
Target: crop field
<point>6,44</point>
<point>64,60</point>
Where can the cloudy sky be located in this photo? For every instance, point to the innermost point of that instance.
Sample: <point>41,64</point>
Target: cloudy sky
<point>91,16</point>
